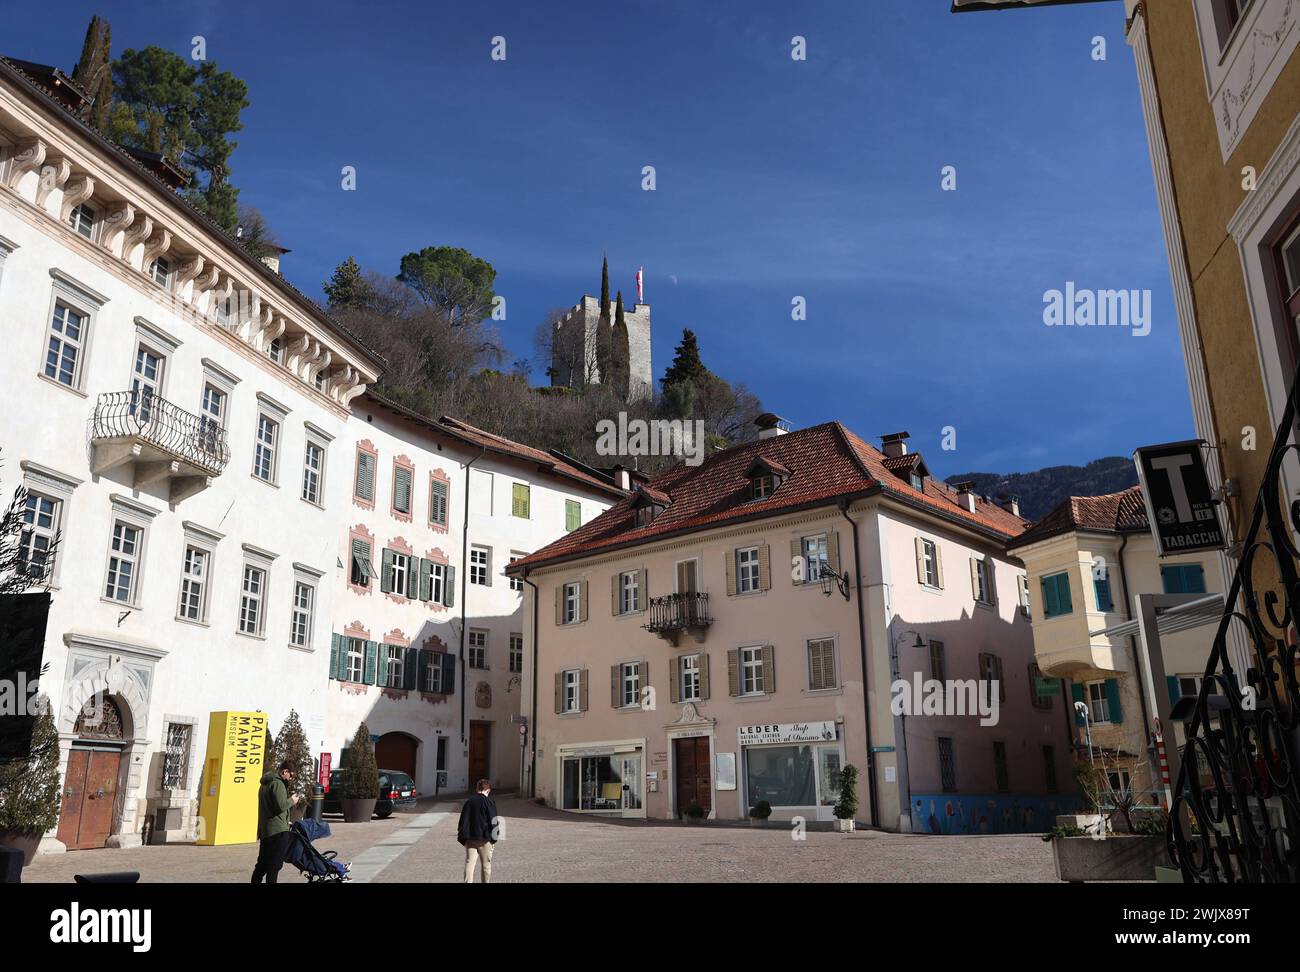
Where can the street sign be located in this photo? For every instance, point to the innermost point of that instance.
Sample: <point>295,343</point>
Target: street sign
<point>1180,504</point>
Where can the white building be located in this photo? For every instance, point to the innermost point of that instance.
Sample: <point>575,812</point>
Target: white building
<point>428,631</point>
<point>175,408</point>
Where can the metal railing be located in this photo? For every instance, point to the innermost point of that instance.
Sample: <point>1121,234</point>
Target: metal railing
<point>197,440</point>
<point>678,612</point>
<point>1236,812</point>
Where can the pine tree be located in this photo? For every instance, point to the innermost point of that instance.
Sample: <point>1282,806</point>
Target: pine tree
<point>620,353</point>
<point>687,365</point>
<point>94,72</point>
<point>347,288</point>
<point>291,744</point>
<point>604,330</point>
<point>30,786</point>
<point>361,774</point>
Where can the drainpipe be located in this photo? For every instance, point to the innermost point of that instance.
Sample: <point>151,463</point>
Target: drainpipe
<point>532,720</point>
<point>464,589</point>
<point>862,649</point>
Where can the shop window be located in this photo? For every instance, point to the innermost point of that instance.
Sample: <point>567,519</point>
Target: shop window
<point>801,775</point>
<point>602,782</point>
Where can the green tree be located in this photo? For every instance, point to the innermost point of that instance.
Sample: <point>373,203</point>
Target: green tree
<point>604,330</point>
<point>361,774</point>
<point>348,286</point>
<point>94,72</point>
<point>687,365</point>
<point>30,786</point>
<point>451,280</point>
<point>291,744</point>
<point>847,807</point>
<point>620,353</point>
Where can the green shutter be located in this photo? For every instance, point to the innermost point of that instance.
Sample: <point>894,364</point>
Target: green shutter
<point>1112,700</point>
<point>449,586</point>
<point>365,485</point>
<point>572,515</point>
<point>386,572</point>
<point>426,579</point>
<point>372,663</point>
<point>361,555</point>
<point>519,500</point>
<point>413,577</point>
<point>341,673</point>
<point>448,673</point>
<point>336,648</point>
<point>402,489</point>
<point>438,502</point>
<point>411,668</point>
<point>1076,690</point>
<point>1175,690</point>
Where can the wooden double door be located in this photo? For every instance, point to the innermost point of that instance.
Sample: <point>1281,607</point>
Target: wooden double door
<point>480,752</point>
<point>694,781</point>
<point>89,797</point>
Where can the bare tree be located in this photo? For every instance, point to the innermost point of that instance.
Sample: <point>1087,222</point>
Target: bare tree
<point>562,352</point>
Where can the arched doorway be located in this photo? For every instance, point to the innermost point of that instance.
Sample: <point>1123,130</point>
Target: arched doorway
<point>92,778</point>
<point>397,751</point>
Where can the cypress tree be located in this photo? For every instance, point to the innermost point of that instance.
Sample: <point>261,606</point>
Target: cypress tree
<point>361,775</point>
<point>620,354</point>
<point>604,329</point>
<point>94,72</point>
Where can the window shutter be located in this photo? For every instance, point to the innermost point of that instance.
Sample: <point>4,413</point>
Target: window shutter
<point>361,556</point>
<point>413,577</point>
<point>426,579</point>
<point>449,586</point>
<point>559,692</point>
<point>675,680</point>
<point>643,590</point>
<point>410,668</point>
<point>796,554</point>
<point>764,568</point>
<point>386,572</point>
<point>920,559</point>
<point>448,673</point>
<point>833,550</point>
<point>1076,692</point>
<point>704,677</point>
<point>336,646</point>
<point>769,670</point>
<point>1112,700</point>
<point>1175,690</point>
<point>370,674</point>
<point>938,563</point>
<point>990,582</point>
<point>438,502</point>
<point>975,578</point>
<point>733,672</point>
<point>582,690</point>
<point>401,489</point>
<point>423,665</point>
<point>615,582</point>
<point>582,601</point>
<point>365,485</point>
<point>643,673</point>
<point>559,603</point>
<point>731,573</point>
<point>615,697</point>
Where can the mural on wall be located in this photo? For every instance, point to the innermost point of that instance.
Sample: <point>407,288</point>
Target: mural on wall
<point>952,813</point>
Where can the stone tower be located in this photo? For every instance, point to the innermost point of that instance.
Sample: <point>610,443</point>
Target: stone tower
<point>573,348</point>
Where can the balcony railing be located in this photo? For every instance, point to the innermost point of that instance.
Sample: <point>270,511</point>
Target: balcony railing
<point>672,614</point>
<point>162,440</point>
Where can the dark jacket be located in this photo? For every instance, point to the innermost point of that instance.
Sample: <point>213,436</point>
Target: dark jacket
<point>272,806</point>
<point>477,820</point>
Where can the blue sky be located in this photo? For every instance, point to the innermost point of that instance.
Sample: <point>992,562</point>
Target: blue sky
<point>776,179</point>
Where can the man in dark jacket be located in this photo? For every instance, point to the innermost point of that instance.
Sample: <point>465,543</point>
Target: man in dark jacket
<point>273,803</point>
<point>478,831</point>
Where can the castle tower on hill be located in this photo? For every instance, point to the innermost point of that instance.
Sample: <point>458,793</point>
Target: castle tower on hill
<point>573,354</point>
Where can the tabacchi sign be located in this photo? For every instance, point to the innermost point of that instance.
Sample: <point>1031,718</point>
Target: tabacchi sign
<point>1180,503</point>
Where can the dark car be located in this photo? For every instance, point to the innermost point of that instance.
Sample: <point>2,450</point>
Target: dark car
<point>396,792</point>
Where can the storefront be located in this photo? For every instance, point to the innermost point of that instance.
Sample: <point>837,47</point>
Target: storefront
<point>794,766</point>
<point>606,778</point>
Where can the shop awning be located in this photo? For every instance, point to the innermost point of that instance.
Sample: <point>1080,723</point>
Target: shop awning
<point>1184,617</point>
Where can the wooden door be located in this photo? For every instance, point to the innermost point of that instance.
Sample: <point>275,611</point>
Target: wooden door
<point>691,766</point>
<point>480,746</point>
<point>396,751</point>
<point>89,798</point>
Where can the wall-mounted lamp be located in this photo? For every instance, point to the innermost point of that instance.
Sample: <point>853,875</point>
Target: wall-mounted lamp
<point>830,580</point>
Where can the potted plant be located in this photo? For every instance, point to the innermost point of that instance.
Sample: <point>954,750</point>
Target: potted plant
<point>759,813</point>
<point>291,745</point>
<point>847,807</point>
<point>695,813</point>
<point>360,783</point>
<point>1095,851</point>
<point>29,789</point>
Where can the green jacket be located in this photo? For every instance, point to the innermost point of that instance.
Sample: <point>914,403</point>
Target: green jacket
<point>272,806</point>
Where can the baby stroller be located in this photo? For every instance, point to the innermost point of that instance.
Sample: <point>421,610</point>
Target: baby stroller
<point>317,866</point>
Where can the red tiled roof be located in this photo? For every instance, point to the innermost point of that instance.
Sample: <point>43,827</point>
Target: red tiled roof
<point>1122,512</point>
<point>826,462</point>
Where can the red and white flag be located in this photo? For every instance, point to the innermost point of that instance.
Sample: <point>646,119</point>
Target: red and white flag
<point>640,285</point>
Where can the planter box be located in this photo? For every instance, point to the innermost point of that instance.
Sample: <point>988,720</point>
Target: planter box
<point>758,821</point>
<point>358,811</point>
<point>844,826</point>
<point>1090,822</point>
<point>25,841</point>
<point>1133,858</point>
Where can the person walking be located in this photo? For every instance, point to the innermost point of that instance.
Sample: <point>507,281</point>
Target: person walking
<point>273,803</point>
<point>477,831</point>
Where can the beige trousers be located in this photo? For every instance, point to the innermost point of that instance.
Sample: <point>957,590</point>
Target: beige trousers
<point>480,851</point>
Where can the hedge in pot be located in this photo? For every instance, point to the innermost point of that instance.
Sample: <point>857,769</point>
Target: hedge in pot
<point>759,813</point>
<point>847,807</point>
<point>29,789</point>
<point>695,813</point>
<point>291,745</point>
<point>360,784</point>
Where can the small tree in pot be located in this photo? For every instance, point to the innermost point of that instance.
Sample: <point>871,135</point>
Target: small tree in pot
<point>29,789</point>
<point>695,813</point>
<point>759,813</point>
<point>847,807</point>
<point>291,745</point>
<point>360,783</point>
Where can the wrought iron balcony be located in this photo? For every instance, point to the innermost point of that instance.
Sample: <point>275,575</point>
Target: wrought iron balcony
<point>672,614</point>
<point>159,440</point>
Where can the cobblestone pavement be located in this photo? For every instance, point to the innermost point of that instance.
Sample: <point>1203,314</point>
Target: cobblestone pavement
<point>541,845</point>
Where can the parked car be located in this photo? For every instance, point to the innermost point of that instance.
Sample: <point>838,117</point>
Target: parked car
<point>396,791</point>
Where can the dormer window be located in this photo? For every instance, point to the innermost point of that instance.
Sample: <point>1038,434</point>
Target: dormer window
<point>918,481</point>
<point>763,486</point>
<point>646,505</point>
<point>82,220</point>
<point>765,477</point>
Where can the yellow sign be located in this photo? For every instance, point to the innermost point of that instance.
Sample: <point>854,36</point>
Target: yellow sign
<point>232,775</point>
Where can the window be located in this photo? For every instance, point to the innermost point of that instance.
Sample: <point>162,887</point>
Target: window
<point>1119,782</point>
<point>980,586</point>
<point>1000,767</point>
<point>394,666</point>
<point>212,408</point>
<point>268,432</point>
<point>176,758</point>
<point>1098,702</point>
<point>1183,578</point>
<point>356,667</point>
<point>361,567</point>
<point>1036,677</point>
<point>747,573</point>
<point>477,655</point>
<point>816,555</point>
<point>516,582</point>
<point>821,664</point>
<point>146,382</point>
<point>762,486</point>
<point>313,467</point>
<point>438,587</point>
<point>571,609</point>
<point>629,592</point>
<point>399,572</point>
<point>38,540</point>
<point>480,563</point>
<point>917,482</point>
<point>318,380</point>
<point>82,220</point>
<point>1056,595</point>
<point>516,653</point>
<point>304,597</point>
<point>572,691</point>
<point>937,667</point>
<point>690,678</point>
<point>364,486</point>
<point>751,671</point>
<point>627,686</point>
<point>947,765</point>
<point>402,478</point>
<point>519,500</point>
<point>1101,588</point>
<point>161,271</point>
<point>991,671</point>
<point>67,338</point>
<point>438,502</point>
<point>1049,768</point>
<point>122,561</point>
<point>572,515</point>
<point>1227,14</point>
<point>194,584</point>
<point>929,563</point>
<point>275,350</point>
<point>1023,583</point>
<point>251,595</point>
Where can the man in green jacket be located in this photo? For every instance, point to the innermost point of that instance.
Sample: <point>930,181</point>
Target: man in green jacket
<point>273,803</point>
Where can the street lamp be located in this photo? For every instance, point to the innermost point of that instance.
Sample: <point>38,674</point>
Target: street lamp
<point>830,580</point>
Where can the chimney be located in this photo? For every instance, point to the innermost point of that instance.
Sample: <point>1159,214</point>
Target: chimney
<point>894,444</point>
<point>770,425</point>
<point>622,478</point>
<point>966,495</point>
<point>1009,502</point>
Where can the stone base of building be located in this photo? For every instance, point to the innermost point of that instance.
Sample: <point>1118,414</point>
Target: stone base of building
<point>51,845</point>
